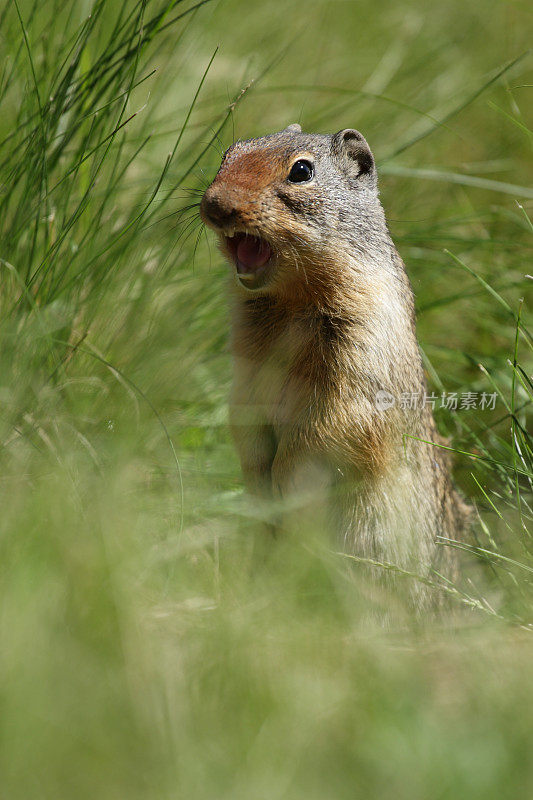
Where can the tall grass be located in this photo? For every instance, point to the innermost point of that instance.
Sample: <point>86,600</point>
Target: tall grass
<point>144,650</point>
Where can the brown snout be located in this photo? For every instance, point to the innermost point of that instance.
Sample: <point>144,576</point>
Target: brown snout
<point>219,206</point>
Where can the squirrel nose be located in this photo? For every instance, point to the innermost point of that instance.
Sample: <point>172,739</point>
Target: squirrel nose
<point>217,209</point>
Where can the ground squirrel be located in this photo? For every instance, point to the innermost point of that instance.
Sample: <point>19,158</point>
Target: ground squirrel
<point>324,344</point>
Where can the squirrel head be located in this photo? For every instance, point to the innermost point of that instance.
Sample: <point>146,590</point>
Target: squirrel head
<point>291,207</point>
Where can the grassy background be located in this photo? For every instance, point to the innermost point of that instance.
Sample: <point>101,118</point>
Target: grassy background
<point>143,652</point>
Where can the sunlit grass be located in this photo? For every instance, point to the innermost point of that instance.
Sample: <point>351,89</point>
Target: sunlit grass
<point>147,648</point>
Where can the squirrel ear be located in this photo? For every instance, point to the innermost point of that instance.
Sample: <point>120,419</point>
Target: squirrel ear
<point>351,146</point>
<point>294,128</point>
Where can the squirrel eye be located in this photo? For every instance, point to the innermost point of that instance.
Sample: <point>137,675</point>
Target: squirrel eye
<point>301,171</point>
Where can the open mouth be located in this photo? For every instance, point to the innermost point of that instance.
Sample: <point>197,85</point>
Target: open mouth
<point>252,256</point>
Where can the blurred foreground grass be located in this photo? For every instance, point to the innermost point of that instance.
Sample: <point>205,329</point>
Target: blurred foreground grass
<point>143,651</point>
